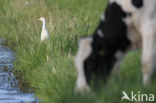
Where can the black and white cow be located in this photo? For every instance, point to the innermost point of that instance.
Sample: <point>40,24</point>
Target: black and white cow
<point>126,25</point>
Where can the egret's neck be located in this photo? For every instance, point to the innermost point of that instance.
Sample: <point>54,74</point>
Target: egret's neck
<point>44,25</point>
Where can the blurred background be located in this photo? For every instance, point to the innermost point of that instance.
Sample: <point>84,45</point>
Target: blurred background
<point>48,68</point>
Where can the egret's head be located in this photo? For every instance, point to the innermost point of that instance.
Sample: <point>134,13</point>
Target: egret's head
<point>42,19</point>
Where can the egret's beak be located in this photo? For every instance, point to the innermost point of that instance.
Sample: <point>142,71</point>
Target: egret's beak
<point>39,19</point>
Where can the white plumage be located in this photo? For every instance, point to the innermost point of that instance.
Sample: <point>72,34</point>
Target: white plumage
<point>44,32</point>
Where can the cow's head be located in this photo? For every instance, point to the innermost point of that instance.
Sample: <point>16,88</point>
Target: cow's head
<point>97,53</point>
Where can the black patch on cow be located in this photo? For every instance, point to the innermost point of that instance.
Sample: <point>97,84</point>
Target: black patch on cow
<point>114,12</point>
<point>100,62</point>
<point>137,3</point>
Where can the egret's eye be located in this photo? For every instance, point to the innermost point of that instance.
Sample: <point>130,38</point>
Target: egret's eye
<point>101,52</point>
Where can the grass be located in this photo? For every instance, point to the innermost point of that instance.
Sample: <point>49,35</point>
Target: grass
<point>48,67</point>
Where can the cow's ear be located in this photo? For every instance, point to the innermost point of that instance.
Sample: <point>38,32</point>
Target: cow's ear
<point>114,12</point>
<point>137,3</point>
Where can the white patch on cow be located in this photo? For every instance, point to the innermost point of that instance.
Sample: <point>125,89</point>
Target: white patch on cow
<point>149,49</point>
<point>126,5</point>
<point>84,51</point>
<point>102,17</point>
<point>100,33</point>
<point>119,56</point>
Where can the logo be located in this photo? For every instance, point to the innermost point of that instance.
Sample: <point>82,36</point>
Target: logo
<point>139,97</point>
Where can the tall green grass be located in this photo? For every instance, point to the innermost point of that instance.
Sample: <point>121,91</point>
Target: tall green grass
<point>48,67</point>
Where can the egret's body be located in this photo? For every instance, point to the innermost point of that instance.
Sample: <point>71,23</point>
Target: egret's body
<point>44,32</point>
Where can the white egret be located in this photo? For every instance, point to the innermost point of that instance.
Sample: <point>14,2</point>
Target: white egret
<point>44,32</point>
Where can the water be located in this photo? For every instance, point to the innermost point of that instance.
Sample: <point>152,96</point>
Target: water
<point>9,91</point>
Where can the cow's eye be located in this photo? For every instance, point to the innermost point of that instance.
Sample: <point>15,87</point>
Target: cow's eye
<point>101,52</point>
